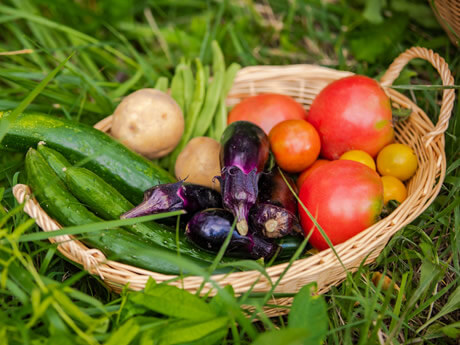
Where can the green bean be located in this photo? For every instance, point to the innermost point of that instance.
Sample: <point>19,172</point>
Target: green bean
<point>210,105</point>
<point>198,99</point>
<point>162,84</point>
<point>187,76</point>
<point>213,94</point>
<point>207,74</point>
<point>218,61</point>
<point>210,132</point>
<point>177,86</point>
<point>220,118</point>
<point>193,112</point>
<point>230,75</point>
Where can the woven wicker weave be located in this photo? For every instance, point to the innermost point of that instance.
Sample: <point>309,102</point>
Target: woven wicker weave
<point>302,82</point>
<point>448,14</point>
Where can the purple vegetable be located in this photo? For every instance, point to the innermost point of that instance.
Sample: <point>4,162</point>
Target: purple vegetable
<point>208,229</point>
<point>244,153</point>
<point>275,191</point>
<point>274,215</point>
<point>175,196</point>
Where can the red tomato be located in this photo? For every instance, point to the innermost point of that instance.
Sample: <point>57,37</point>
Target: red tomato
<point>344,196</point>
<point>304,174</point>
<point>295,145</point>
<point>352,113</point>
<point>267,110</point>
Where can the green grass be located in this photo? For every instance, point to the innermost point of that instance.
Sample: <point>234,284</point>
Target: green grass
<point>120,46</point>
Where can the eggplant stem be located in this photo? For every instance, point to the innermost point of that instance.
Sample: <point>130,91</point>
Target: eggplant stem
<point>139,210</point>
<point>271,225</point>
<point>242,227</point>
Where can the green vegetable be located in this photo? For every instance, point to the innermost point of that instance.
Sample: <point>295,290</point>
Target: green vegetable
<point>213,93</point>
<point>60,204</point>
<point>116,164</point>
<point>177,86</point>
<point>192,112</point>
<point>108,203</point>
<point>288,244</point>
<point>162,84</point>
<point>187,77</point>
<point>55,160</point>
<point>220,118</point>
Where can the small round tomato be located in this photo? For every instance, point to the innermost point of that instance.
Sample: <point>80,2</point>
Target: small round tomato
<point>359,156</point>
<point>295,145</point>
<point>304,174</point>
<point>397,160</point>
<point>393,189</point>
<point>267,110</point>
<point>352,113</point>
<point>345,197</point>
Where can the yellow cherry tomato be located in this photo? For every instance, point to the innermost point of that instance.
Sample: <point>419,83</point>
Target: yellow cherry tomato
<point>359,156</point>
<point>397,160</point>
<point>393,189</point>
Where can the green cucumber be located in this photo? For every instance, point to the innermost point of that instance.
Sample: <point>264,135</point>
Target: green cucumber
<point>96,194</point>
<point>118,244</point>
<point>108,203</point>
<point>129,172</point>
<point>55,160</point>
<point>289,244</point>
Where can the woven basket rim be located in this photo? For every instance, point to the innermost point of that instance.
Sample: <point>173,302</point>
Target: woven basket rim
<point>447,12</point>
<point>116,274</point>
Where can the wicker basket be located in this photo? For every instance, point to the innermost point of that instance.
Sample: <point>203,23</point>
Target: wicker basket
<point>448,14</point>
<point>302,82</point>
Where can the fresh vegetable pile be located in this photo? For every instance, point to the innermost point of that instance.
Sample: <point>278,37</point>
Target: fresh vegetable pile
<point>238,177</point>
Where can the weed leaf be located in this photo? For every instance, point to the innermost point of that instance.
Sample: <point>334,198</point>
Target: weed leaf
<point>309,312</point>
<point>125,334</point>
<point>287,336</point>
<point>183,331</point>
<point>174,302</point>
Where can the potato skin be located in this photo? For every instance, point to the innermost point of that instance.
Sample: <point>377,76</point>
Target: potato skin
<point>199,162</point>
<point>149,122</point>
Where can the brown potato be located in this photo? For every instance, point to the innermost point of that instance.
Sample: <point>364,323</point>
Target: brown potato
<point>199,162</point>
<point>149,122</point>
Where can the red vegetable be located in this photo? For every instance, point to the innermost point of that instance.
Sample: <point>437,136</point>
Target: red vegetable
<point>295,144</point>
<point>352,113</point>
<point>344,196</point>
<point>304,174</point>
<point>267,110</point>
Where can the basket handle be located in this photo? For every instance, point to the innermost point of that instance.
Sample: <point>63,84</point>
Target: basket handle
<point>448,95</point>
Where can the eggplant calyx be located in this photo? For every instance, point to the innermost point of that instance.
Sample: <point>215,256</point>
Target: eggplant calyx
<point>271,225</point>
<point>272,221</point>
<point>158,199</point>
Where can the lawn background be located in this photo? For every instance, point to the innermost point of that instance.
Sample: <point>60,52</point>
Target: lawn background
<point>121,46</point>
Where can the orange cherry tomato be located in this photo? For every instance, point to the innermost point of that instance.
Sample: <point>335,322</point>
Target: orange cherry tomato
<point>304,174</point>
<point>295,145</point>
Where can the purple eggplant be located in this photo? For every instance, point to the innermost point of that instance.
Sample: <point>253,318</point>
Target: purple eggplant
<point>274,215</point>
<point>175,196</point>
<point>244,153</point>
<point>208,229</point>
